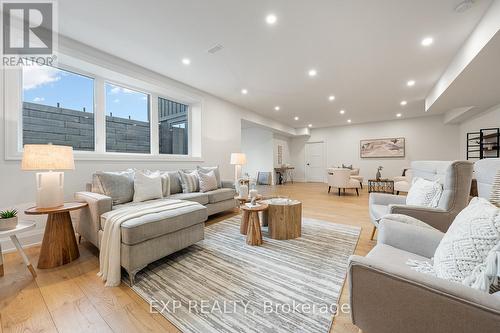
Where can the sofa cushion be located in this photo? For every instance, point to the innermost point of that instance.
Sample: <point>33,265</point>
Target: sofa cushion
<point>175,182</point>
<point>154,225</point>
<point>216,172</point>
<point>117,185</point>
<point>189,181</point>
<point>394,256</point>
<point>198,197</point>
<point>221,194</point>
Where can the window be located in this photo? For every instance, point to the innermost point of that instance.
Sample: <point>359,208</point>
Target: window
<point>127,120</point>
<point>173,127</point>
<point>58,107</point>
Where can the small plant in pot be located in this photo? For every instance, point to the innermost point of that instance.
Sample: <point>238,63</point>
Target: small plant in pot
<point>8,219</point>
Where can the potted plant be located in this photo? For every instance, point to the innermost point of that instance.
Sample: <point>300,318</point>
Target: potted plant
<point>8,219</point>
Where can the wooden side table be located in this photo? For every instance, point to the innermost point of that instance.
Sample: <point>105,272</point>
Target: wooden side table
<point>59,242</point>
<point>21,227</point>
<point>284,217</point>
<point>381,186</point>
<point>252,223</point>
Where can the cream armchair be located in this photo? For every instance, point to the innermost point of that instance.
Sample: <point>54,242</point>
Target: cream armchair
<point>456,179</point>
<point>341,179</point>
<point>403,183</point>
<point>386,296</point>
<point>355,175</point>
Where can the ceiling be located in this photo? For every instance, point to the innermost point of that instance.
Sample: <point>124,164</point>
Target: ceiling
<point>364,51</point>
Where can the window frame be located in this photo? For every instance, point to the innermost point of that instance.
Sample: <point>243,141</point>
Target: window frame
<point>13,101</point>
<point>158,125</point>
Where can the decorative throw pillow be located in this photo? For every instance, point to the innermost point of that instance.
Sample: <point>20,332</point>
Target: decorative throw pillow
<point>469,250</point>
<point>208,181</point>
<point>216,171</point>
<point>117,185</point>
<point>189,181</point>
<point>147,186</point>
<point>495,190</point>
<point>424,193</point>
<point>165,184</point>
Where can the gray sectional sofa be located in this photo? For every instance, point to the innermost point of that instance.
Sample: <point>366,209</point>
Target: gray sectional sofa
<point>154,236</point>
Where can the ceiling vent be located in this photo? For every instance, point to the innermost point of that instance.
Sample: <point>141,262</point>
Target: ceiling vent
<point>464,6</point>
<point>216,48</point>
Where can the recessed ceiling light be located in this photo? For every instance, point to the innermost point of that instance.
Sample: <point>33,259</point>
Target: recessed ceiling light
<point>312,72</point>
<point>342,111</point>
<point>310,125</point>
<point>410,83</point>
<point>271,19</point>
<point>399,115</point>
<point>244,91</point>
<point>349,121</point>
<point>296,118</point>
<point>277,108</point>
<point>331,98</point>
<point>186,61</point>
<point>428,41</point>
<point>403,103</point>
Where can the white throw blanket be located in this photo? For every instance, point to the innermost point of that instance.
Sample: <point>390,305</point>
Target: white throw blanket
<point>109,257</point>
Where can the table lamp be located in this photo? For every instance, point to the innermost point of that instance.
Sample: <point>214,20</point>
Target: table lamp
<point>49,184</point>
<point>237,159</point>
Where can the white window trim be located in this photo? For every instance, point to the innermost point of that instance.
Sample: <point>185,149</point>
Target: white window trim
<point>12,93</point>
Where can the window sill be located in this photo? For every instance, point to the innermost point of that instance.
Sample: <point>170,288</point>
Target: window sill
<point>93,156</point>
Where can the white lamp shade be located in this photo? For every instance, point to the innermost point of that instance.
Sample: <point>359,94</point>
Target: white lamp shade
<point>47,157</point>
<point>238,158</point>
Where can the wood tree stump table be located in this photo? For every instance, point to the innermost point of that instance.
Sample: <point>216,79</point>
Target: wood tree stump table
<point>59,242</point>
<point>284,217</point>
<point>252,222</point>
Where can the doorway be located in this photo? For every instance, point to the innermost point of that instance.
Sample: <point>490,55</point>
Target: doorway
<point>315,168</point>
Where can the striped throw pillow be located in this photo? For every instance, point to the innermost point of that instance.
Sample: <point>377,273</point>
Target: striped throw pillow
<point>189,181</point>
<point>495,190</point>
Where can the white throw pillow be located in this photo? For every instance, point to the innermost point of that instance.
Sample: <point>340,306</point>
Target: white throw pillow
<point>424,193</point>
<point>147,186</point>
<point>208,181</point>
<point>468,251</point>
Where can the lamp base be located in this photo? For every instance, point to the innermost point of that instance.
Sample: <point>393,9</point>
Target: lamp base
<point>49,189</point>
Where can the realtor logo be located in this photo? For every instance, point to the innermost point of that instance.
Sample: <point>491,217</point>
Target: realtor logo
<point>27,28</point>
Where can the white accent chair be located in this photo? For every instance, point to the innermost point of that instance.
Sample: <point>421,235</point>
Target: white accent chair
<point>455,176</point>
<point>403,183</point>
<point>341,179</point>
<point>355,175</point>
<point>485,171</point>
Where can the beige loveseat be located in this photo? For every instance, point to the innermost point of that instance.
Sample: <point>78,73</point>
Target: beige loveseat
<point>154,236</point>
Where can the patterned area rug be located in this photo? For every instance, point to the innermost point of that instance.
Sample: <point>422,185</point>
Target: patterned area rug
<point>223,285</point>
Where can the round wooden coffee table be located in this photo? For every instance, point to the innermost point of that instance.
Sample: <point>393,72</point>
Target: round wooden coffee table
<point>59,243</point>
<point>284,218</point>
<point>251,223</point>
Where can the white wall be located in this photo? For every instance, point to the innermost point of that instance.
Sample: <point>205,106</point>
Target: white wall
<point>257,143</point>
<point>427,138</point>
<point>487,119</point>
<point>220,131</point>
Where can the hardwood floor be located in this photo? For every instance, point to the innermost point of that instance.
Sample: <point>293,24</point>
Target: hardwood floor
<point>72,298</point>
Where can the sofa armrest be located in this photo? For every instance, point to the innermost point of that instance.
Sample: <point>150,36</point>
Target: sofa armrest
<point>435,217</point>
<point>399,178</point>
<point>89,218</point>
<point>386,199</point>
<point>385,297</point>
<point>408,237</point>
<point>227,184</point>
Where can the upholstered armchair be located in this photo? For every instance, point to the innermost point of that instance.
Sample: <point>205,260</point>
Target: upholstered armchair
<point>403,183</point>
<point>456,179</point>
<point>356,176</point>
<point>387,296</point>
<point>485,171</point>
<point>341,179</point>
